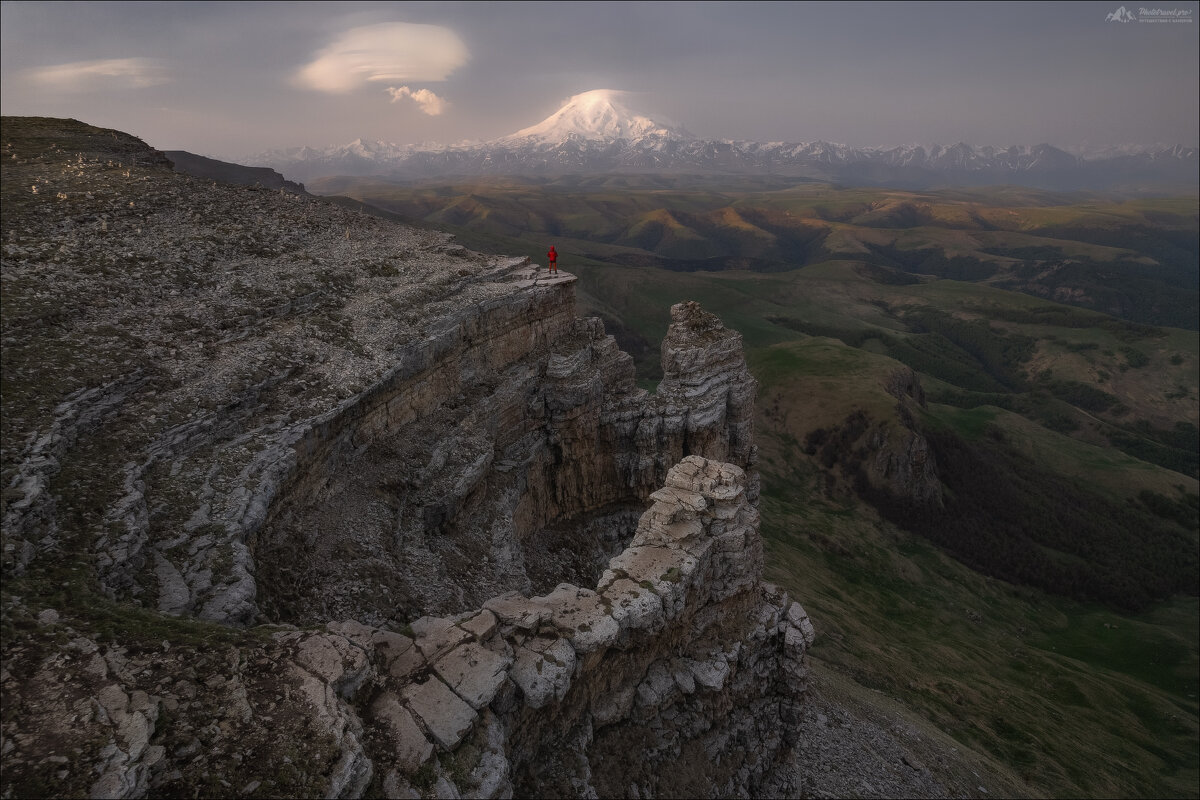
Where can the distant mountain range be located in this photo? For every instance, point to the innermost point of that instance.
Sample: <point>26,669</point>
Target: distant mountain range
<point>596,132</point>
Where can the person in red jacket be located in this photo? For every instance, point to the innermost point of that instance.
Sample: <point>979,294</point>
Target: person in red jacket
<point>553,256</point>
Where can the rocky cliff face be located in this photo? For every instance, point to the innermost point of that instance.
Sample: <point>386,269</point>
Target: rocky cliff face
<point>214,170</point>
<point>903,463</point>
<point>678,654</point>
<point>302,502</point>
<point>516,453</point>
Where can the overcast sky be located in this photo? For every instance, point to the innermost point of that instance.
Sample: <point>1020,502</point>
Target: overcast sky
<point>229,80</point>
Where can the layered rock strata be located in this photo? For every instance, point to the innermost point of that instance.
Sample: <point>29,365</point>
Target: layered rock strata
<point>500,566</point>
<point>509,452</point>
<point>679,654</point>
<point>679,674</point>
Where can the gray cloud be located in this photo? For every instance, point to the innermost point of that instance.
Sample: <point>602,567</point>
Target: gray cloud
<point>251,76</point>
<point>100,74</point>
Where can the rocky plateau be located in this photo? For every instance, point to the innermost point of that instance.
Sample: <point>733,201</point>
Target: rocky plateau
<point>299,501</point>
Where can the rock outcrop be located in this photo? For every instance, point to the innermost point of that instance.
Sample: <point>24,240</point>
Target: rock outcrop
<point>903,464</point>
<point>214,170</point>
<point>302,502</point>
<point>679,654</point>
<point>509,452</point>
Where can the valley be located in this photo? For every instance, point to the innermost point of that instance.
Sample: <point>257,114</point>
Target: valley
<point>1034,596</point>
<point>851,449</point>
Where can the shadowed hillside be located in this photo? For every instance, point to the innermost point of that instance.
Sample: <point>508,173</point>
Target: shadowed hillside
<point>211,168</point>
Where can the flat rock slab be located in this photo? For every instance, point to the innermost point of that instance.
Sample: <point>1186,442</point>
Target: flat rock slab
<point>515,609</point>
<point>474,672</point>
<point>634,606</point>
<point>482,625</point>
<point>437,636</point>
<point>675,503</point>
<point>650,563</point>
<point>361,635</point>
<point>404,663</point>
<point>446,716</point>
<point>668,534</point>
<point>543,670</point>
<point>412,748</point>
<point>333,659</point>
<point>390,644</point>
<point>583,617</point>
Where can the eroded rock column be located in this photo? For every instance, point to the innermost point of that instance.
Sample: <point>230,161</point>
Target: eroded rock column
<point>679,654</point>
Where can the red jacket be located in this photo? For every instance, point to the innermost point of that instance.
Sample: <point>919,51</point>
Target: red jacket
<point>553,256</point>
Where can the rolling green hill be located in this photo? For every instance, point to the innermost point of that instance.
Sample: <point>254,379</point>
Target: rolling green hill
<point>1034,594</point>
<point>1132,258</point>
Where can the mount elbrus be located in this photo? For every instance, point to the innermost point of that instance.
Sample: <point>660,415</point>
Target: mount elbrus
<point>596,132</point>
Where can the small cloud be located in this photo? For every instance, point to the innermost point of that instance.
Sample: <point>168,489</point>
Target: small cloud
<point>429,102</point>
<point>130,73</point>
<point>394,51</point>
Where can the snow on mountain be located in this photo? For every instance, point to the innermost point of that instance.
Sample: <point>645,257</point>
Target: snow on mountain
<point>596,115</point>
<point>597,132</point>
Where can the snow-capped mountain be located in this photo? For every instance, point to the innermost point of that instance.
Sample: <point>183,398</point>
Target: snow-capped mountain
<point>598,115</point>
<point>597,132</point>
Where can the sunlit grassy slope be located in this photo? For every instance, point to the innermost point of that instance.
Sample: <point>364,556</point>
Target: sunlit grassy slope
<point>833,291</point>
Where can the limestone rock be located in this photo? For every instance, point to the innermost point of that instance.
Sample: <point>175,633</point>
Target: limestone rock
<point>522,612</point>
<point>582,617</point>
<point>412,749</point>
<point>469,527</point>
<point>473,672</point>
<point>543,669</point>
<point>436,636</point>
<point>445,715</point>
<point>481,625</point>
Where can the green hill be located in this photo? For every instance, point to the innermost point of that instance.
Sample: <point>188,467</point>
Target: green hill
<point>1132,258</point>
<point>1006,544</point>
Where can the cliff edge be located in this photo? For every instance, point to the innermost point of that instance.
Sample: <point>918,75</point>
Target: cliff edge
<point>302,502</point>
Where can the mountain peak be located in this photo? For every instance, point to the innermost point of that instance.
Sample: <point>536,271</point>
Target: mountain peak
<point>598,114</point>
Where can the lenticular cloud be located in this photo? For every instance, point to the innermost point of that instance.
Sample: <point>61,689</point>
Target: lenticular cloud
<point>394,51</point>
<point>428,102</point>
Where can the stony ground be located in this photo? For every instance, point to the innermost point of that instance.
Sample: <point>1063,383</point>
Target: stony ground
<point>858,743</point>
<point>198,322</point>
<point>195,322</point>
<point>190,274</point>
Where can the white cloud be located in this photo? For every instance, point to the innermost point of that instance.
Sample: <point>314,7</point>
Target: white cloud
<point>429,102</point>
<point>394,51</point>
<point>134,73</point>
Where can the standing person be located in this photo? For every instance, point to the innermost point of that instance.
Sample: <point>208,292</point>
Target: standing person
<point>553,256</point>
